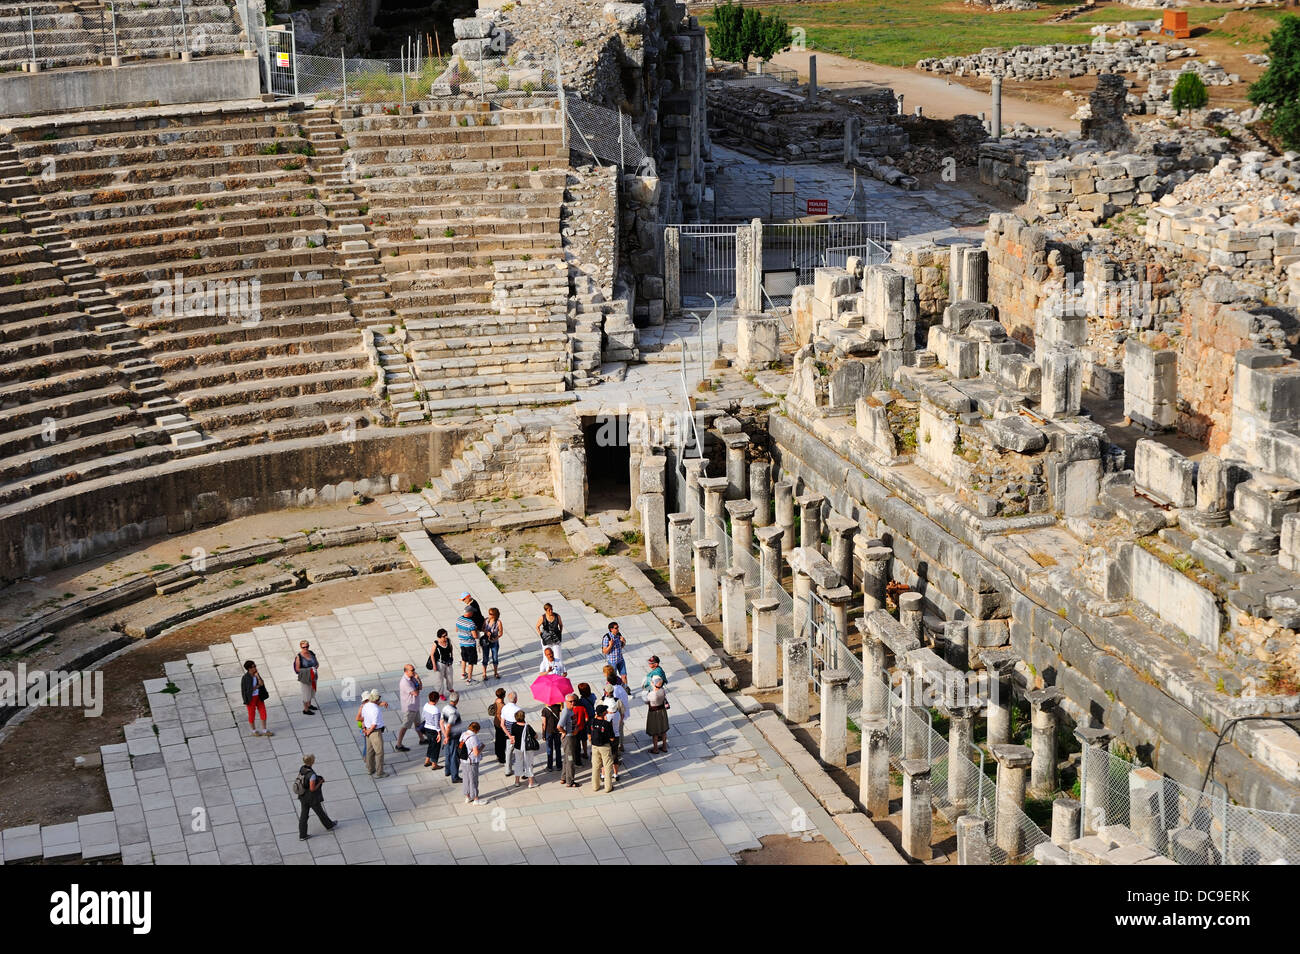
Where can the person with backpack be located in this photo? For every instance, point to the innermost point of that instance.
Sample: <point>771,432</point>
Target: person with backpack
<point>656,719</point>
<point>253,689</point>
<point>305,666</point>
<point>307,786</point>
<point>432,716</point>
<point>549,720</point>
<point>525,744</point>
<point>617,701</point>
<point>469,751</point>
<point>569,728</point>
<point>612,645</point>
<point>500,729</point>
<point>586,700</point>
<point>372,726</point>
<point>550,629</point>
<point>451,733</point>
<point>467,636</point>
<point>440,661</point>
<point>602,740</point>
<point>508,711</point>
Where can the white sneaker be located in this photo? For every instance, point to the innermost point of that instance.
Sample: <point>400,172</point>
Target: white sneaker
<point>467,801</point>
<point>257,732</point>
<point>477,801</point>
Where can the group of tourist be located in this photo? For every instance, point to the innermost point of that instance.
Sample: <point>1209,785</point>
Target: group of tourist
<point>584,728</point>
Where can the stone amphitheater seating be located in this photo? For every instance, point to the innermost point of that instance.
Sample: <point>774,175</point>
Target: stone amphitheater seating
<point>464,206</point>
<point>242,209</point>
<point>78,34</point>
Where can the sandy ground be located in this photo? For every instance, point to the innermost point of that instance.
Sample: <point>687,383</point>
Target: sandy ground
<point>936,95</point>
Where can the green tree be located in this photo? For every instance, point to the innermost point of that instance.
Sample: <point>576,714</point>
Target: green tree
<point>1189,92</point>
<point>1278,90</point>
<point>737,34</point>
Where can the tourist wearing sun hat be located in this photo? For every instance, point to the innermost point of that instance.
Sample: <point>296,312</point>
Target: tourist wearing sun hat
<point>372,722</point>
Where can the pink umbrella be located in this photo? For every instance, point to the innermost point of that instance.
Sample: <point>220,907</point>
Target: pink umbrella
<point>550,689</point>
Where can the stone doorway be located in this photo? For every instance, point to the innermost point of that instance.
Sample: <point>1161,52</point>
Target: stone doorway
<point>609,460</point>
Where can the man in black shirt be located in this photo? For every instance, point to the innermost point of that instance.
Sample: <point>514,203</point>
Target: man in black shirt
<point>602,751</point>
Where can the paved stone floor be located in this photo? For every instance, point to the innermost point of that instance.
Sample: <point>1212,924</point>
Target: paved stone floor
<point>743,185</point>
<point>192,785</point>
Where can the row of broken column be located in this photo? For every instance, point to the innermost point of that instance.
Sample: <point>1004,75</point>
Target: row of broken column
<point>763,512</point>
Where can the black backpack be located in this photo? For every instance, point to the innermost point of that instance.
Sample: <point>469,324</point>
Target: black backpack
<point>462,752</point>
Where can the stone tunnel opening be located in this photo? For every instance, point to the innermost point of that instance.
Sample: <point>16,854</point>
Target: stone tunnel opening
<point>608,460</point>
<point>399,22</point>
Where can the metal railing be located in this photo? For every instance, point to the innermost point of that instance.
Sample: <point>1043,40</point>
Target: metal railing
<point>1182,823</point>
<point>54,35</point>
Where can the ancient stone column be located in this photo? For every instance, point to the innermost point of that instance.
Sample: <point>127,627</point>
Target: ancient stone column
<point>875,576</point>
<point>875,688</point>
<point>995,127</point>
<point>1043,703</point>
<point>812,80</point>
<point>802,587</point>
<point>707,608</point>
<point>737,465</point>
<point>1013,761</point>
<point>760,492</point>
<point>569,448</point>
<point>842,531</point>
<point>834,717</point>
<point>957,634</point>
<point>955,291</point>
<point>810,520</point>
<point>745,256</point>
<point>1062,393</point>
<point>681,534</point>
<point>916,732</point>
<point>769,549</point>
<point>694,469</point>
<point>873,785</point>
<point>794,688</point>
<point>1065,822</point>
<point>911,613</point>
<point>1000,665</point>
<point>973,841</point>
<point>735,635</point>
<point>974,277</point>
<point>839,599</point>
<point>1096,776</point>
<point>672,272</point>
<point>785,514</point>
<point>764,662</point>
<point>714,488</point>
<point>1149,815</point>
<point>742,534</point>
<point>1213,491</point>
<point>961,770</point>
<point>654,528</point>
<point>917,822</point>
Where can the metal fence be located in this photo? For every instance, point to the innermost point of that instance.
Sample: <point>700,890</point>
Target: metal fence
<point>606,135</point>
<point>55,35</point>
<point>1182,823</point>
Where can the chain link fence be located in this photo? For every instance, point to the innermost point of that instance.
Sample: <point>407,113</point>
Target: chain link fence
<point>607,135</point>
<point>56,34</point>
<point>1182,823</point>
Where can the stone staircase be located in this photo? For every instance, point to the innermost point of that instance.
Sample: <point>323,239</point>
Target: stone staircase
<point>516,445</point>
<point>465,204</point>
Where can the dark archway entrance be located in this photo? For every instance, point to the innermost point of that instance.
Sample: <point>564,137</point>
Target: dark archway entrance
<point>429,24</point>
<point>608,460</point>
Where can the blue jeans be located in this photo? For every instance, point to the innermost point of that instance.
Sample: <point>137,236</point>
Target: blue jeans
<point>451,767</point>
<point>491,652</point>
<point>553,754</point>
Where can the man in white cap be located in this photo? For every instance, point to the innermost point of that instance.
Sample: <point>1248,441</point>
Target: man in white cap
<point>372,724</point>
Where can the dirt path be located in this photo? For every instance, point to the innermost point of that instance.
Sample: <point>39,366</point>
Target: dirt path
<point>937,96</point>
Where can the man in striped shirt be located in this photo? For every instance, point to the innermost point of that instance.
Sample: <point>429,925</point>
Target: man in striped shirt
<point>467,634</point>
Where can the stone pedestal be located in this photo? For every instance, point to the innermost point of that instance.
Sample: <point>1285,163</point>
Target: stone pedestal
<point>760,492</point>
<point>917,821</point>
<point>873,786</point>
<point>1043,703</point>
<point>769,557</point>
<point>784,491</point>
<point>681,535</point>
<point>735,635</point>
<point>1150,815</point>
<point>654,521</point>
<point>568,452</point>
<point>957,635</point>
<point>842,530</point>
<point>973,841</point>
<point>794,687</point>
<point>810,520</point>
<point>707,604</point>
<point>758,342</point>
<point>911,613</point>
<point>1062,394</point>
<point>1013,763</point>
<point>1065,822</point>
<point>1150,385</point>
<point>834,717</point>
<point>875,576</point>
<point>737,466</point>
<point>765,661</point>
<point>714,490</point>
